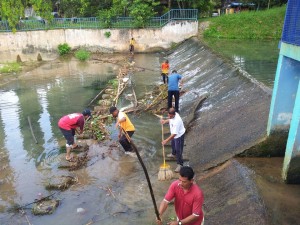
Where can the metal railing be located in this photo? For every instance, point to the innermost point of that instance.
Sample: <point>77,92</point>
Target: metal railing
<point>96,23</point>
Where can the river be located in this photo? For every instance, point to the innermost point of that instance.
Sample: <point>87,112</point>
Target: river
<point>65,85</point>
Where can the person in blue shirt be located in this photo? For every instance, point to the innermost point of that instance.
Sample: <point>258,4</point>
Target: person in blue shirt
<point>175,80</point>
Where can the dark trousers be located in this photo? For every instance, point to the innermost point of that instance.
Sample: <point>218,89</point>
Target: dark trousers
<point>125,143</point>
<point>131,48</point>
<point>177,148</point>
<point>164,77</point>
<point>170,97</point>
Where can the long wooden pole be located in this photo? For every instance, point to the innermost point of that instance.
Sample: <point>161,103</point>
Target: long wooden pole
<point>145,171</point>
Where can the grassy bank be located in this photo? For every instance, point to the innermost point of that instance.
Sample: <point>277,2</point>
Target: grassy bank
<point>265,24</point>
<point>10,67</point>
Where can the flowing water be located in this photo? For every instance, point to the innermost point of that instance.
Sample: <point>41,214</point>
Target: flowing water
<point>60,87</point>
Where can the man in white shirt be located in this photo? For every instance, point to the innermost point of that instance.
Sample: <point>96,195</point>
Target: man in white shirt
<point>177,136</point>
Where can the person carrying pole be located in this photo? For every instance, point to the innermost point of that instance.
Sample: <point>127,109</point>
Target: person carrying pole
<point>188,200</point>
<point>125,124</point>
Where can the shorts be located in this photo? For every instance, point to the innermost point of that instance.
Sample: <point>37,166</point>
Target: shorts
<point>69,135</point>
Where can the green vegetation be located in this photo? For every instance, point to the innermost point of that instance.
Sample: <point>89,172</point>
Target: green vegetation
<point>142,11</point>
<point>108,10</point>
<point>64,49</point>
<point>82,54</point>
<point>12,11</point>
<point>265,24</point>
<point>107,34</point>
<point>10,68</point>
<point>98,133</point>
<point>114,83</point>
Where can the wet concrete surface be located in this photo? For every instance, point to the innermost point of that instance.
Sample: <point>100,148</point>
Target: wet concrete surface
<point>232,118</point>
<point>231,196</point>
<point>282,200</point>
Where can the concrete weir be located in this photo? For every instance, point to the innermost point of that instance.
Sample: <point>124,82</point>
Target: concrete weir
<point>233,118</point>
<point>231,196</point>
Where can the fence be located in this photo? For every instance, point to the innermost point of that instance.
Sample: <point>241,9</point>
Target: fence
<point>291,28</point>
<point>96,23</point>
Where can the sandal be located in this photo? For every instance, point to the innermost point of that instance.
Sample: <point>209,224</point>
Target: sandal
<point>77,147</point>
<point>71,159</point>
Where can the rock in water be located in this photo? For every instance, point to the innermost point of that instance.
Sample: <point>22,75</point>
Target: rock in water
<point>39,58</point>
<point>80,210</point>
<point>45,207</point>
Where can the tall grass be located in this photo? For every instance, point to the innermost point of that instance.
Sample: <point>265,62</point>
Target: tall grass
<point>10,67</point>
<point>265,24</point>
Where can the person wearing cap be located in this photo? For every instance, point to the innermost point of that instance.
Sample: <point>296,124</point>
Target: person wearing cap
<point>124,124</point>
<point>188,200</point>
<point>177,136</point>
<point>174,81</point>
<point>68,125</point>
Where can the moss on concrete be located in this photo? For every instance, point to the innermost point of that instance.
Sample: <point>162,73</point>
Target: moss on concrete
<point>271,146</point>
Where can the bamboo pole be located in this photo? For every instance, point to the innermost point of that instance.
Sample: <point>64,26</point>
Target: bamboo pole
<point>31,130</point>
<point>97,96</point>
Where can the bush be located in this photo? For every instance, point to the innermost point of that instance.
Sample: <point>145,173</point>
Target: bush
<point>10,68</point>
<point>107,34</point>
<point>82,54</point>
<point>64,49</point>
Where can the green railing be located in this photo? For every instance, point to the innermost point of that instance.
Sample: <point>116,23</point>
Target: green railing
<point>96,23</point>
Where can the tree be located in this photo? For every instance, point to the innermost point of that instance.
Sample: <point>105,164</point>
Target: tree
<point>142,11</point>
<point>117,9</point>
<point>13,10</point>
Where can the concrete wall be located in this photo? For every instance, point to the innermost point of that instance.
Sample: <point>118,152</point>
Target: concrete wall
<point>29,44</point>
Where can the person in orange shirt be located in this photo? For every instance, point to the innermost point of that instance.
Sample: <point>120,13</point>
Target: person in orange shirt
<point>125,125</point>
<point>165,71</point>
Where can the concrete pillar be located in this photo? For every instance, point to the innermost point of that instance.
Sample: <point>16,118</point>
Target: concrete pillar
<point>284,94</point>
<point>285,108</point>
<point>291,165</point>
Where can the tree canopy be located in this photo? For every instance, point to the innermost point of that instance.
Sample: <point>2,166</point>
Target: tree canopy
<point>141,10</point>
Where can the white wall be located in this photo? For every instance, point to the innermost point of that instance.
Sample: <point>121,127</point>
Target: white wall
<point>29,44</point>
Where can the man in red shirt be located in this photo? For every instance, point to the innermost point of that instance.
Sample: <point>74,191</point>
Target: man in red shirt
<point>188,199</point>
<point>68,124</point>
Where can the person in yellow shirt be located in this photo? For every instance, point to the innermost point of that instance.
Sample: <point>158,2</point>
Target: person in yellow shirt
<point>165,71</point>
<point>123,123</point>
<point>131,45</point>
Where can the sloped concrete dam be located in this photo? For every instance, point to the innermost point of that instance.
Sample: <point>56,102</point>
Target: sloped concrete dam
<point>231,119</point>
<point>234,115</point>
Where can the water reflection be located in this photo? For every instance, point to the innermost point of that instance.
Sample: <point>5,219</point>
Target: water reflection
<point>258,58</point>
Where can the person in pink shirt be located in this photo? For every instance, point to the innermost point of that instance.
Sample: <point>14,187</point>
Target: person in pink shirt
<point>68,125</point>
<point>188,199</point>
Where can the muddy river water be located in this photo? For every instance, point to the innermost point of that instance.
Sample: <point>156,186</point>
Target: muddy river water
<point>110,190</point>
